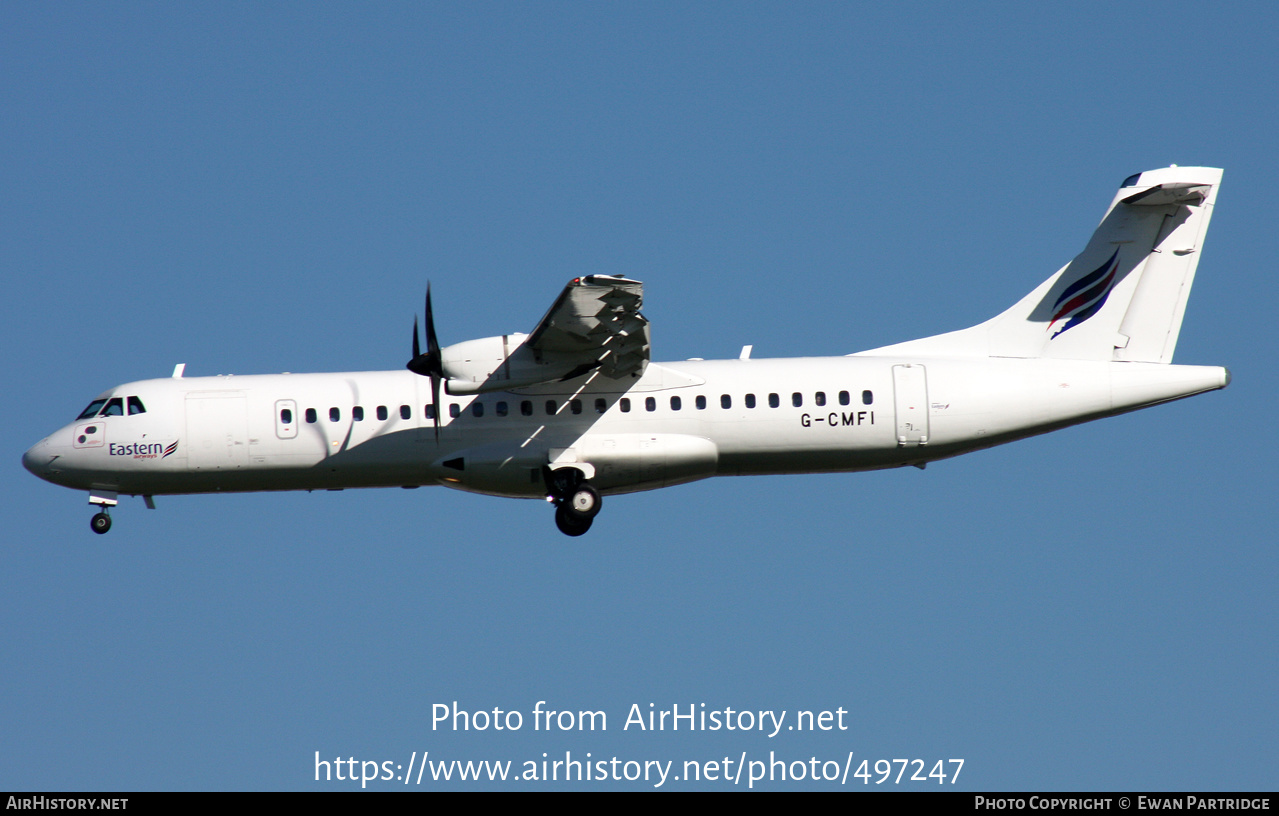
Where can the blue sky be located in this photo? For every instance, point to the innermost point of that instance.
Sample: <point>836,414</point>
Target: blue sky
<point>260,188</point>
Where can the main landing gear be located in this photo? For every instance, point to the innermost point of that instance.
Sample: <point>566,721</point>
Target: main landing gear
<point>576,500</point>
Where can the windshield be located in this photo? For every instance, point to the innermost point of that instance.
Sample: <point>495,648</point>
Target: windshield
<point>93,409</point>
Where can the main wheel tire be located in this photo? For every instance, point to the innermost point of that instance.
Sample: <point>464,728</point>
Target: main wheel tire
<point>100,523</point>
<point>585,501</point>
<point>570,524</point>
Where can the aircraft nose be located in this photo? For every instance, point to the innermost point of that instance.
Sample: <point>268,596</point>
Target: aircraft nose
<point>37,458</point>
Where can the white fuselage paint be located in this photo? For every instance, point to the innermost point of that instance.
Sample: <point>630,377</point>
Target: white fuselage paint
<point>230,433</point>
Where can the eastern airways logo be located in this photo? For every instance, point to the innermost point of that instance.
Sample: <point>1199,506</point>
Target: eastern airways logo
<point>143,450</point>
<point>1085,297</point>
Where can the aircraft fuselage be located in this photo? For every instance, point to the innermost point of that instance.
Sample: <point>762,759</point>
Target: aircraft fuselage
<point>679,422</point>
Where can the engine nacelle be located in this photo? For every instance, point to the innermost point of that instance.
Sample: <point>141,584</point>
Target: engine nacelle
<point>475,361</point>
<point>497,364</point>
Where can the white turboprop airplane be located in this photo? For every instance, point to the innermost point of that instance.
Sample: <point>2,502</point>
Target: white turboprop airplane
<point>575,410</point>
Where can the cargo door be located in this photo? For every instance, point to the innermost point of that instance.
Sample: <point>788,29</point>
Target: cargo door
<point>217,431</point>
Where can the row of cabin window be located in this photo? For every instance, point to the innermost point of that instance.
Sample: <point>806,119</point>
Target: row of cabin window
<point>726,401</point>
<point>575,406</point>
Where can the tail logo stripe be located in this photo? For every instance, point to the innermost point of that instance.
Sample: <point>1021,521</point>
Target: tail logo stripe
<point>1084,304</point>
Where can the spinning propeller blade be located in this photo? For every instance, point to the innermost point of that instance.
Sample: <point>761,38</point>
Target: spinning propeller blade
<point>429,364</point>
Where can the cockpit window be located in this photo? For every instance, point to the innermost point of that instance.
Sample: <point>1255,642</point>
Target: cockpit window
<point>135,406</point>
<point>115,407</point>
<point>92,410</point>
<point>1132,180</point>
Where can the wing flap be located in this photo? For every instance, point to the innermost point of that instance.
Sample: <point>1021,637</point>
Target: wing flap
<point>595,323</point>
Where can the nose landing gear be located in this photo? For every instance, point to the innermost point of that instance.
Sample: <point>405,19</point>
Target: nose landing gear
<point>104,500</point>
<point>100,522</point>
<point>576,500</point>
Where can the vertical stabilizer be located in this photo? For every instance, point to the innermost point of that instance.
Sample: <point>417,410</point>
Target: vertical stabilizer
<point>1122,297</point>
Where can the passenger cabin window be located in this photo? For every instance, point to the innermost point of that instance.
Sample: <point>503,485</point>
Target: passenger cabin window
<point>797,399</point>
<point>501,408</point>
<point>310,415</point>
<point>750,400</point>
<point>675,403</point>
<point>381,413</point>
<point>526,407</point>
<point>405,412</point>
<point>286,416</point>
<point>725,401</point>
<point>335,415</point>
<point>867,398</point>
<point>428,411</point>
<point>625,404</point>
<point>357,413</point>
<point>650,403</point>
<point>575,406</point>
<point>477,409</point>
<point>600,405</point>
<point>550,407</point>
<point>135,406</point>
<point>455,411</point>
<point>820,398</point>
<point>774,400</point>
<point>843,398</point>
<point>700,402</point>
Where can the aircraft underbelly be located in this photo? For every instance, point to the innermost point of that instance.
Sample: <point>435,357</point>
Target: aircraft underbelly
<point>617,462</point>
<point>626,463</point>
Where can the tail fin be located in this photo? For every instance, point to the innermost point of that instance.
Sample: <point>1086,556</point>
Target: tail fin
<point>1122,298</point>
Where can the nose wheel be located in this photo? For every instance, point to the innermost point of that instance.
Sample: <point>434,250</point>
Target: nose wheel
<point>104,500</point>
<point>577,502</point>
<point>100,522</point>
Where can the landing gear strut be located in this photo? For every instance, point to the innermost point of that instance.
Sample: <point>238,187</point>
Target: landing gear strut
<point>577,502</point>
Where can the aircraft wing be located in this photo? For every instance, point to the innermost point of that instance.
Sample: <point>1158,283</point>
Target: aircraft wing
<point>595,323</point>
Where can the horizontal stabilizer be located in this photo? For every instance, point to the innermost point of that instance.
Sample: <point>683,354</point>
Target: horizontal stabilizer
<point>1165,194</point>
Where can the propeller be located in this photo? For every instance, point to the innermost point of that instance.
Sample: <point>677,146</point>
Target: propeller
<point>429,364</point>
